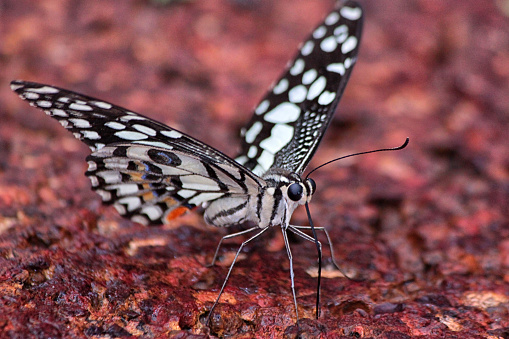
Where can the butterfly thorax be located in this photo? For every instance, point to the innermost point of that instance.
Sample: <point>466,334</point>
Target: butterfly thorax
<point>272,205</point>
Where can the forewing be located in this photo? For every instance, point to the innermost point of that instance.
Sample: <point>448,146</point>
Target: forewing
<point>290,121</point>
<point>98,123</point>
<point>146,169</point>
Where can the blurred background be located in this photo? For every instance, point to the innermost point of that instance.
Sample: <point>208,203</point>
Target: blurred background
<point>430,220</point>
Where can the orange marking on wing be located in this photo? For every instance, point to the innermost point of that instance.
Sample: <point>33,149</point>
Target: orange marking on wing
<point>136,176</point>
<point>149,196</point>
<point>170,201</point>
<point>177,212</point>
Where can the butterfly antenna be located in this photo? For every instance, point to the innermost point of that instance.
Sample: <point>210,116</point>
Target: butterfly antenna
<point>319,250</point>
<point>360,153</point>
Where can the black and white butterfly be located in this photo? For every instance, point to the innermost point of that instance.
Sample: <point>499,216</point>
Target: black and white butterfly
<point>151,173</point>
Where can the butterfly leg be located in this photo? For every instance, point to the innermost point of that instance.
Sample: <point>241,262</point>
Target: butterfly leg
<point>231,267</point>
<point>303,235</point>
<point>229,236</point>
<point>297,231</point>
<point>290,258</point>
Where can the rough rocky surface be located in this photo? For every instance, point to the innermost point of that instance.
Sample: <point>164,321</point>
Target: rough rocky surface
<point>423,231</point>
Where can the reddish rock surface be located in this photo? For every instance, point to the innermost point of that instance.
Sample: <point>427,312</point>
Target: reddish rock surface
<point>424,231</point>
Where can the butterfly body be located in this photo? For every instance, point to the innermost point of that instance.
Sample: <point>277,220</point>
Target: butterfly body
<point>151,173</point>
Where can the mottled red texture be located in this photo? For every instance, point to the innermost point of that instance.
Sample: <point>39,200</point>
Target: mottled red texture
<point>424,230</point>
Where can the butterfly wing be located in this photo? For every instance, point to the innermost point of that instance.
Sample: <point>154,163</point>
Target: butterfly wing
<point>150,172</point>
<point>290,121</point>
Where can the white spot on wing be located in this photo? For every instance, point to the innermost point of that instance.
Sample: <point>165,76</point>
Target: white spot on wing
<point>103,105</point>
<point>171,134</point>
<point>349,45</point>
<point>329,44</point>
<point>92,166</point>
<point>80,123</point>
<point>124,189</point>
<point>80,107</point>
<point>186,193</point>
<point>91,135</point>
<point>280,136</point>
<point>337,68</point>
<point>131,116</point>
<point>262,107</point>
<point>252,152</point>
<point>44,103</point>
<point>30,96</point>
<point>105,195</point>
<point>15,87</point>
<point>348,63</point>
<point>241,160</point>
<point>319,32</point>
<point>307,48</point>
<point>341,33</point>
<point>116,163</point>
<point>317,88</point>
<point>252,133</point>
<point>131,202</point>
<point>297,94</point>
<point>297,67</point>
<point>326,98</point>
<point>59,112</point>
<point>309,76</point>
<point>120,208</point>
<point>351,13</point>
<point>43,90</point>
<point>266,159</point>
<point>139,219</point>
<point>281,86</point>
<point>114,125</point>
<point>94,181</point>
<point>129,135</point>
<point>283,113</point>
<point>154,212</point>
<point>259,170</point>
<point>110,177</point>
<point>332,18</point>
<point>145,129</point>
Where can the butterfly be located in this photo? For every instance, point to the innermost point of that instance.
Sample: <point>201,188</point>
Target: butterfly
<point>152,173</point>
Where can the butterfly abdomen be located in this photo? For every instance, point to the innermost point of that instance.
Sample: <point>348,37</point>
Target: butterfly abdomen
<point>228,211</point>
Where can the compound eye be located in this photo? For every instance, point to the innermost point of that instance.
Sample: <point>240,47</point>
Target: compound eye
<point>312,184</point>
<point>295,192</point>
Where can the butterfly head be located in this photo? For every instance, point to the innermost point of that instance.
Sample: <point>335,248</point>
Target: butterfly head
<point>294,190</point>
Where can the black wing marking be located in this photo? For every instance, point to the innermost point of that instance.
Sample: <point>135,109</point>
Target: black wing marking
<point>146,169</point>
<point>290,121</point>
